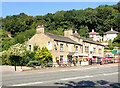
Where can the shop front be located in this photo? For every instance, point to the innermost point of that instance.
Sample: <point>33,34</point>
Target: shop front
<point>81,58</point>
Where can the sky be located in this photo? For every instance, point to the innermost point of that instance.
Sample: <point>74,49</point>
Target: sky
<point>42,8</point>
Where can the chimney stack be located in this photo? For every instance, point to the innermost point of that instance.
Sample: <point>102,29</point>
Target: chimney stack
<point>40,28</point>
<point>68,32</point>
<point>111,29</point>
<point>76,33</point>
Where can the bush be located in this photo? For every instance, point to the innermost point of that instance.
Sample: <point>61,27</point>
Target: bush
<point>33,63</point>
<point>4,61</point>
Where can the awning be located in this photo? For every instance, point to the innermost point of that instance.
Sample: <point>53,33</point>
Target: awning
<point>79,54</point>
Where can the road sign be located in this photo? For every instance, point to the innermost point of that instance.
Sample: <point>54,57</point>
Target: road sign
<point>114,51</point>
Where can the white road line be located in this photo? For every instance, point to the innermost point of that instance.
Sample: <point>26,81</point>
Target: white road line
<point>111,73</point>
<point>76,77</point>
<point>27,84</point>
<point>81,77</point>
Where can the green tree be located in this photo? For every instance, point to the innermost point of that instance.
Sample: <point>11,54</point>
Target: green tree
<point>15,53</point>
<point>110,44</point>
<point>117,39</point>
<point>84,31</point>
<point>43,55</point>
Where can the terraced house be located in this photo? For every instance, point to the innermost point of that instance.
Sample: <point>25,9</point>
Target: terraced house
<point>65,47</point>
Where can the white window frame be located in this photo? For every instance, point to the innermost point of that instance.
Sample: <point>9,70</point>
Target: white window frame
<point>61,48</point>
<point>76,48</point>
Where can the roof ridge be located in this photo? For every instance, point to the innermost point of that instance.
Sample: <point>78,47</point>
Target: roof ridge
<point>61,38</point>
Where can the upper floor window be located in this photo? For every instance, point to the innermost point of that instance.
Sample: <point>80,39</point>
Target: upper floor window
<point>69,48</point>
<point>100,51</point>
<point>94,50</point>
<point>76,49</point>
<point>48,43</point>
<point>61,47</point>
<point>55,47</point>
<point>86,49</point>
<point>49,46</point>
<point>30,47</point>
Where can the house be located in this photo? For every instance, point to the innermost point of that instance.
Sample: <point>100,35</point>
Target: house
<point>65,47</point>
<point>95,36</point>
<point>110,35</point>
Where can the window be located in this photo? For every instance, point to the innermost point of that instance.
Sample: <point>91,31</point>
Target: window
<point>76,49</point>
<point>61,47</point>
<point>30,47</point>
<point>69,48</point>
<point>49,46</point>
<point>48,43</point>
<point>94,50</point>
<point>55,47</point>
<point>100,51</point>
<point>86,49</point>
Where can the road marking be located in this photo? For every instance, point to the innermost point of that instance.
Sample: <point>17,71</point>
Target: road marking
<point>111,73</point>
<point>76,77</point>
<point>81,77</point>
<point>27,84</point>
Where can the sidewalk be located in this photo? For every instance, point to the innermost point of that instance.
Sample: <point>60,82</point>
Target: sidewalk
<point>10,69</point>
<point>56,69</point>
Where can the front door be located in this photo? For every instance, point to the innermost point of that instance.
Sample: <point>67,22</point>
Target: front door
<point>69,58</point>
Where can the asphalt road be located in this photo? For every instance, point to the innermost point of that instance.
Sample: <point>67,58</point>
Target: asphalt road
<point>105,76</point>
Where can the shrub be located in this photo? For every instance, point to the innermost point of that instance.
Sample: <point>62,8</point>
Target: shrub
<point>49,64</point>
<point>33,63</point>
<point>43,55</point>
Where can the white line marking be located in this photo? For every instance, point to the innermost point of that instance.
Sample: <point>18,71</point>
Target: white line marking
<point>111,73</point>
<point>76,77</point>
<point>27,84</point>
<point>81,77</point>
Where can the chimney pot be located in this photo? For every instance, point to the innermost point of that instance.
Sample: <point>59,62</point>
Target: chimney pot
<point>92,30</point>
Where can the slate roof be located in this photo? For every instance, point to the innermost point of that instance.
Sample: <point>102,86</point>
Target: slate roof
<point>62,38</point>
<point>88,40</point>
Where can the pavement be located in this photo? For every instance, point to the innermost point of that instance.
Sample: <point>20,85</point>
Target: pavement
<point>94,75</point>
<point>11,69</point>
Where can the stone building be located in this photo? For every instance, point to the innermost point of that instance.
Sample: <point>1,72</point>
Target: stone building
<point>65,47</point>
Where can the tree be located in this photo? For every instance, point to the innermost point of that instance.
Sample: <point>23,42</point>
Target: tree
<point>117,39</point>
<point>43,55</point>
<point>110,44</point>
<point>84,31</point>
<point>15,53</point>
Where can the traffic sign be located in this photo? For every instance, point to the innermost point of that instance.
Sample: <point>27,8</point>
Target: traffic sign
<point>114,51</point>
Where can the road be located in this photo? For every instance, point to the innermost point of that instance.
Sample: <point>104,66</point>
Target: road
<point>104,76</point>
